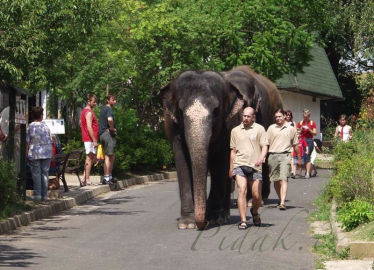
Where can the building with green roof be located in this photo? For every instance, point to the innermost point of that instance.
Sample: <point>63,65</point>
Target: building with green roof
<point>307,89</point>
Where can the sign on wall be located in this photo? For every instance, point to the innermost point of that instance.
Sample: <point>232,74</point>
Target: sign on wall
<point>57,126</point>
<point>20,117</point>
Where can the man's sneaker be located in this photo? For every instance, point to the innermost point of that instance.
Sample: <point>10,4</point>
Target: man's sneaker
<point>105,181</point>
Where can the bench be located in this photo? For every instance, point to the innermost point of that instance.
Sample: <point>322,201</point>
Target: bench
<point>70,163</point>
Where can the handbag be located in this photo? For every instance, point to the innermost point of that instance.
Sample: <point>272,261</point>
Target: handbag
<point>100,153</point>
<point>53,184</point>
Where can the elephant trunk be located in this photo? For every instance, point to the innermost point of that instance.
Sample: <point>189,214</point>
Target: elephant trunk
<point>198,133</point>
<point>199,164</point>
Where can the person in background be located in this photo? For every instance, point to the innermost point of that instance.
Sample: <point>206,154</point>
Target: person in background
<point>39,153</point>
<point>282,139</point>
<point>107,135</point>
<point>343,131</point>
<point>90,135</point>
<point>289,118</point>
<point>303,148</point>
<point>307,130</point>
<point>248,144</point>
<point>4,133</point>
<point>3,136</point>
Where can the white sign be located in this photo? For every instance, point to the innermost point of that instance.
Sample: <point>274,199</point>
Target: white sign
<point>20,117</point>
<point>57,126</point>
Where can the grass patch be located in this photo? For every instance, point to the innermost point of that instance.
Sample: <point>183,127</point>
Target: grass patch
<point>14,209</point>
<point>364,232</point>
<point>325,249</point>
<point>323,204</point>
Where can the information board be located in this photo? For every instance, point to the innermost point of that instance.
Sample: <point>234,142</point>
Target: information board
<point>57,126</point>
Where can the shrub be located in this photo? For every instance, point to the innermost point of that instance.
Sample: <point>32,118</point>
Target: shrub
<point>138,146</point>
<point>353,179</point>
<point>354,213</point>
<point>8,186</point>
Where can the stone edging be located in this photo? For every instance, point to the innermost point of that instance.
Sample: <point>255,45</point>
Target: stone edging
<point>361,249</point>
<point>76,197</point>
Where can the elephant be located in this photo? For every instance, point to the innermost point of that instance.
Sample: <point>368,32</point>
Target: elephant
<point>261,94</point>
<point>200,109</point>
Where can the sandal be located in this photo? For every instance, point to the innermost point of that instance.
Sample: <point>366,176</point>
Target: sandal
<point>242,225</point>
<point>256,218</point>
<point>282,207</point>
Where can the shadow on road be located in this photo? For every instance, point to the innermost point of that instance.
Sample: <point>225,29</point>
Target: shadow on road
<point>13,257</point>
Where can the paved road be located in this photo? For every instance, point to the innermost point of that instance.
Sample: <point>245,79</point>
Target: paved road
<point>136,229</point>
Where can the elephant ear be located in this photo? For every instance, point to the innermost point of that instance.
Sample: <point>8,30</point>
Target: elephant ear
<point>241,91</point>
<point>243,83</point>
<point>168,103</point>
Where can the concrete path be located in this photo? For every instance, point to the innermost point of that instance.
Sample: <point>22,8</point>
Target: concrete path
<point>136,229</point>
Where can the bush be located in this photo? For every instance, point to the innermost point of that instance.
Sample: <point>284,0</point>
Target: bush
<point>353,179</point>
<point>8,186</point>
<point>138,147</point>
<point>353,163</point>
<point>354,213</point>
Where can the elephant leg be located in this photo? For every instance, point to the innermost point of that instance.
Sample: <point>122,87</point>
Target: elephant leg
<point>265,181</point>
<point>187,219</point>
<point>220,187</point>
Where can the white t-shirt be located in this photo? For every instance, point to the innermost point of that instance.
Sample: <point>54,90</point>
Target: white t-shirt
<point>346,132</point>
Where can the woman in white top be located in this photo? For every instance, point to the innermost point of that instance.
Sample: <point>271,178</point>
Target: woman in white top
<point>343,131</point>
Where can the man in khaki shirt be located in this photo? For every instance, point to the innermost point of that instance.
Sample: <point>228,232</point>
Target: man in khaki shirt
<point>248,151</point>
<point>282,137</point>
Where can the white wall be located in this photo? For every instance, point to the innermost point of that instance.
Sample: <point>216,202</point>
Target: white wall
<point>298,102</point>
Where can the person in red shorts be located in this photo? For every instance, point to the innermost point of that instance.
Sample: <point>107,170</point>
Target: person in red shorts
<point>307,130</point>
<point>90,135</point>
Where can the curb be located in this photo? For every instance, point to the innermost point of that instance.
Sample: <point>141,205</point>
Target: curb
<point>360,249</point>
<point>76,197</point>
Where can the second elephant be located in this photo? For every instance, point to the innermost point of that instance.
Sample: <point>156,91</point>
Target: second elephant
<point>200,109</point>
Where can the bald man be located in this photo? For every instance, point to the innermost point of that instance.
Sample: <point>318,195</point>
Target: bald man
<point>249,146</point>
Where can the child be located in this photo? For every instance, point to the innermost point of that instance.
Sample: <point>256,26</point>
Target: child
<point>303,147</point>
<point>343,131</point>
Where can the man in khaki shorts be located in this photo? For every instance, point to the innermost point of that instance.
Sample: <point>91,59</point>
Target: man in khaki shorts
<point>249,146</point>
<point>282,137</point>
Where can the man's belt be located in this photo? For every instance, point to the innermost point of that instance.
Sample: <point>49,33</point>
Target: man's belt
<point>285,152</point>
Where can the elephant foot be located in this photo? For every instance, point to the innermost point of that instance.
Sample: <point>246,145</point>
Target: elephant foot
<point>220,218</point>
<point>186,223</point>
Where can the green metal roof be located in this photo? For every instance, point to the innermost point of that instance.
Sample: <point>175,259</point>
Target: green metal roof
<point>317,79</point>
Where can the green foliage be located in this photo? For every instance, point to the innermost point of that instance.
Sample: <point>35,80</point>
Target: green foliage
<point>34,34</point>
<point>8,186</point>
<point>72,144</point>
<point>353,179</point>
<point>325,247</point>
<point>354,213</point>
<point>323,204</point>
<point>353,182</point>
<point>138,147</point>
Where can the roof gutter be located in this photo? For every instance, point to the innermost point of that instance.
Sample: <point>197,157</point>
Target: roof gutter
<point>310,93</point>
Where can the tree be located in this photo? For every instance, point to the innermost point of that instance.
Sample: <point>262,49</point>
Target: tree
<point>349,39</point>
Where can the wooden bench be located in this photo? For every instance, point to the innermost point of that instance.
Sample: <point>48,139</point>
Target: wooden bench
<point>70,163</point>
<point>73,164</point>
